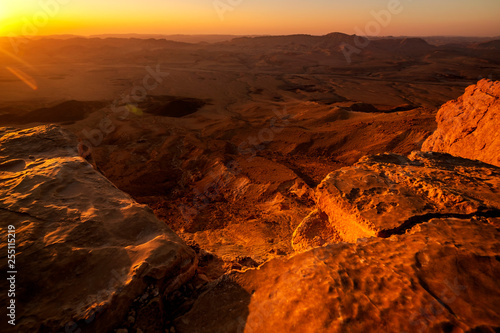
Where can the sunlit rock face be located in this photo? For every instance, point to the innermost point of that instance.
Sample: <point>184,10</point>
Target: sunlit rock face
<point>468,126</point>
<point>388,194</point>
<point>441,276</point>
<point>85,250</point>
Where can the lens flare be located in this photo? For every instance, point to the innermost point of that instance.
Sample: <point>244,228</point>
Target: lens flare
<point>134,109</point>
<point>24,77</point>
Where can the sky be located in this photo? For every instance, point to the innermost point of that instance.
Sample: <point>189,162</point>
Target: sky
<point>251,17</point>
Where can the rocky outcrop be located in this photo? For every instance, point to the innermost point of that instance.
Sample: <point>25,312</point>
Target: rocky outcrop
<point>441,276</point>
<point>85,250</point>
<point>387,194</point>
<point>418,241</point>
<point>468,126</point>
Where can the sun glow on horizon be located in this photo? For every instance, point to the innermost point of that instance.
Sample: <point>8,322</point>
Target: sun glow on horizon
<point>88,17</point>
<point>3,11</point>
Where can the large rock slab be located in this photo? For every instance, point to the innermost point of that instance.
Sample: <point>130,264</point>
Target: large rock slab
<point>85,250</point>
<point>386,194</point>
<point>468,126</point>
<point>439,277</point>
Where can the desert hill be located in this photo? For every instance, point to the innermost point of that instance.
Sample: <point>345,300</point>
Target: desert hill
<point>491,45</point>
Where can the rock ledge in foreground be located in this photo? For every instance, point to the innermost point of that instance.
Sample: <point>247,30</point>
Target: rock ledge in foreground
<point>85,250</point>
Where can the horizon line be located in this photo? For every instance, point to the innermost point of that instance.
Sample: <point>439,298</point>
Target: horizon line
<point>242,35</point>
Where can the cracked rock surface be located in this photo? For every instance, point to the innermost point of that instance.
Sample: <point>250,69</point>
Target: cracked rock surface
<point>387,194</point>
<point>85,250</point>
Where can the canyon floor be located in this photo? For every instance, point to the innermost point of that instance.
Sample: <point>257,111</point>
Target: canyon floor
<point>229,144</point>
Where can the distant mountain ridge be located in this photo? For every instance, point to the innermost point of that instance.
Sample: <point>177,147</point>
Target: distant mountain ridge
<point>334,41</point>
<point>217,38</point>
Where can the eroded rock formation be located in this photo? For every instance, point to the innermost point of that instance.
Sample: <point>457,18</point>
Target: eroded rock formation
<point>85,250</point>
<point>441,276</point>
<point>387,194</point>
<point>468,126</point>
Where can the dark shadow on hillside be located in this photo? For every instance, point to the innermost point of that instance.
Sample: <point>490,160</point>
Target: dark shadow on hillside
<point>66,112</point>
<point>171,106</point>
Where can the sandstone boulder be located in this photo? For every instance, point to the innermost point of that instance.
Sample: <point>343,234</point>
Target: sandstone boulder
<point>387,194</point>
<point>468,126</point>
<point>441,276</point>
<point>85,250</point>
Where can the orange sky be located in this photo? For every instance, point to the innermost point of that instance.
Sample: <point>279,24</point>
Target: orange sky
<point>404,17</point>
